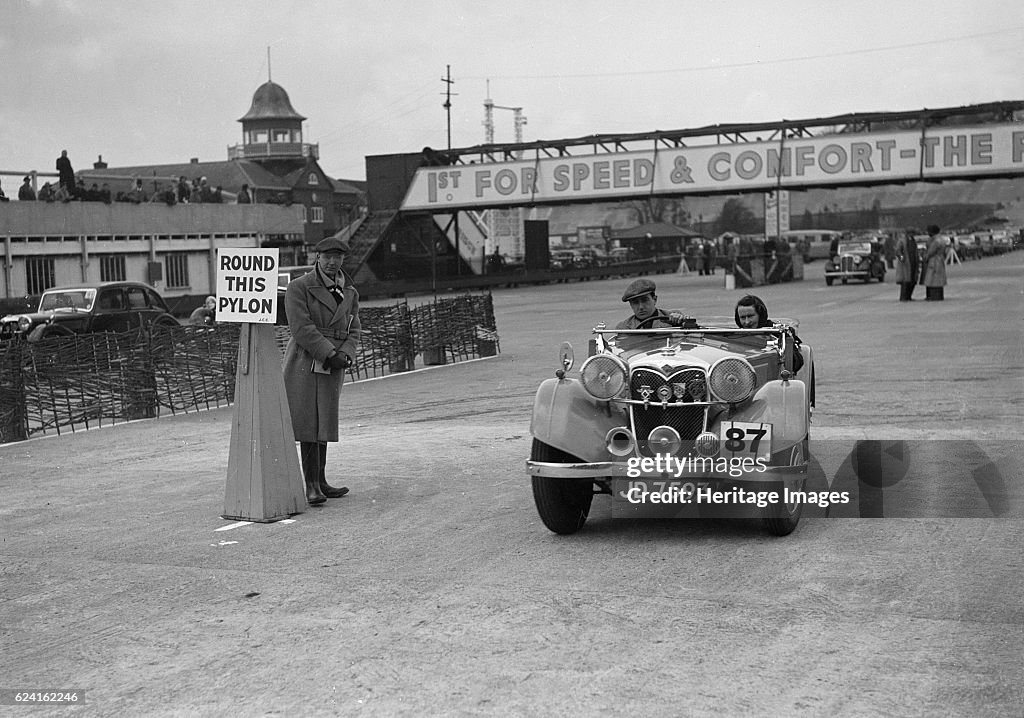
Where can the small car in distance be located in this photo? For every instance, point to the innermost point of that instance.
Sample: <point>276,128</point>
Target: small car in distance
<point>682,410</point>
<point>856,259</point>
<point>88,308</point>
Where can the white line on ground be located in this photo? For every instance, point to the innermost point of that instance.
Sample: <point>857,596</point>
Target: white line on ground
<point>234,525</point>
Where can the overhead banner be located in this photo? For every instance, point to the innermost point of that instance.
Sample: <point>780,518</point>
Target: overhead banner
<point>827,160</point>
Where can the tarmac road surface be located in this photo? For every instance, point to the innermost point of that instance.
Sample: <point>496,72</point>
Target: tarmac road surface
<point>433,588</point>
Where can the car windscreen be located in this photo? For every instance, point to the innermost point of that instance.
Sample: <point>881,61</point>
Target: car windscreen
<point>68,299</point>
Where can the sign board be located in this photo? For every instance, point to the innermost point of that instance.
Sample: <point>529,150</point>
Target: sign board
<point>776,213</point>
<point>786,163</point>
<point>247,285</point>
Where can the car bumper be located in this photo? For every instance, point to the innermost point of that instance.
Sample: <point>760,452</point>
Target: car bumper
<point>619,469</point>
<point>851,274</point>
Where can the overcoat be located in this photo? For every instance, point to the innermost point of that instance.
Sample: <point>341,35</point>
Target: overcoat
<point>319,325</point>
<point>935,264</point>
<point>906,261</point>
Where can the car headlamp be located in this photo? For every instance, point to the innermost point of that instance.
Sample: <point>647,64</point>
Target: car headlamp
<point>603,376</point>
<point>732,379</point>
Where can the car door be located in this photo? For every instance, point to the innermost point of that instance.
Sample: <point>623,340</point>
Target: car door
<point>110,313</point>
<point>138,307</point>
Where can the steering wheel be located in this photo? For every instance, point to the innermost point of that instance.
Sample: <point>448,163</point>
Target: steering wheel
<point>651,319</point>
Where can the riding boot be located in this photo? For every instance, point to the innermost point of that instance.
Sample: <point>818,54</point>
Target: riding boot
<point>309,453</point>
<point>328,490</point>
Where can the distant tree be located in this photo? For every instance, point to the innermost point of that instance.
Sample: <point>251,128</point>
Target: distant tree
<point>659,209</point>
<point>737,217</point>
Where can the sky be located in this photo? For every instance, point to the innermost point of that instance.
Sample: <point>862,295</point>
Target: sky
<point>162,82</point>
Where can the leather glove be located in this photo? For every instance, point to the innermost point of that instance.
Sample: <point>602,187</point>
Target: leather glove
<point>676,319</point>
<point>338,360</point>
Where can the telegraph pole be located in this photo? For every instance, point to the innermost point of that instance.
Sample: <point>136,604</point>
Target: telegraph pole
<point>448,100</point>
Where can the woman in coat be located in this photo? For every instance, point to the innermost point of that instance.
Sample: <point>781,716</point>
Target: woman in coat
<point>906,266</point>
<point>934,277</point>
<point>323,316</point>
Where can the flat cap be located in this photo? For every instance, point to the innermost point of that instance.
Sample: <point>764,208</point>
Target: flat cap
<point>332,244</point>
<point>638,288</point>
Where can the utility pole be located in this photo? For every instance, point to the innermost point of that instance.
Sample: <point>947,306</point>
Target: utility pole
<point>448,100</point>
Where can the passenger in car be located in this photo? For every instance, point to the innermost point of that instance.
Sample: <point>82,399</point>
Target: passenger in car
<point>643,300</point>
<point>751,313</point>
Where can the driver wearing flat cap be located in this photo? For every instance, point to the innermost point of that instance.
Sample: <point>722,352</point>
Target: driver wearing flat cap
<point>643,300</point>
<point>323,316</point>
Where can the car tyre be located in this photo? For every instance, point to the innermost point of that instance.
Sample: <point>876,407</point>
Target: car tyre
<point>563,504</point>
<point>781,519</point>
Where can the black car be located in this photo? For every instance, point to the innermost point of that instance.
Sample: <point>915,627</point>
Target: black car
<point>86,308</point>
<point>856,259</point>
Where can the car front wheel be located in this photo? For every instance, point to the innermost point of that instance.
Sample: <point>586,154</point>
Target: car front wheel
<point>563,504</point>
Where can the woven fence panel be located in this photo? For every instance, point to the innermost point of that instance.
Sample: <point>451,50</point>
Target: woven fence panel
<point>79,382</point>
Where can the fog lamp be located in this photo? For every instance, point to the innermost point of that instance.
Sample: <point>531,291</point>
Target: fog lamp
<point>664,440</point>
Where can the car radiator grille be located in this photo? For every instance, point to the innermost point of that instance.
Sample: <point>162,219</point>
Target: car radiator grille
<point>687,385</point>
<point>847,264</point>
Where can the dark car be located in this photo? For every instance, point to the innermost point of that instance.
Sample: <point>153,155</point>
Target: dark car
<point>86,308</point>
<point>856,259</point>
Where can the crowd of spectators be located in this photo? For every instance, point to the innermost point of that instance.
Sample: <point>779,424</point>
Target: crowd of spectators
<point>69,189</point>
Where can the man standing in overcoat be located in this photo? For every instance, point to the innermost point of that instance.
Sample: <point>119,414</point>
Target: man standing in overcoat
<point>906,266</point>
<point>934,276</point>
<point>323,316</point>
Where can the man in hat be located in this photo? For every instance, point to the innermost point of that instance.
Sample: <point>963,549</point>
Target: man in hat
<point>323,316</point>
<point>643,300</point>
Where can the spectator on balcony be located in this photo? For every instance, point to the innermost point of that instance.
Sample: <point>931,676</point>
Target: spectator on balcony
<point>194,193</point>
<point>205,191</point>
<point>3,197</point>
<point>46,192</point>
<point>137,195</point>
<point>218,195</point>
<point>105,193</point>
<point>243,196</point>
<point>183,189</point>
<point>66,173</point>
<point>80,192</point>
<point>93,193</point>
<point>25,192</point>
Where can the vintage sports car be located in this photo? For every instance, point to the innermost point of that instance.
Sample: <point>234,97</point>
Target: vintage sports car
<point>684,411</point>
<point>856,259</point>
<point>104,307</point>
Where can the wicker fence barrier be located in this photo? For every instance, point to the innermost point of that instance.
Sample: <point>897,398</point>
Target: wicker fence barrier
<point>88,380</point>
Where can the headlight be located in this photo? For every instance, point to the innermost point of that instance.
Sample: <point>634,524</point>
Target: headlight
<point>603,376</point>
<point>733,379</point>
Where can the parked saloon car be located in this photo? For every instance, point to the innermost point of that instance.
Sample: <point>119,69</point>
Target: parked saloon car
<point>104,307</point>
<point>856,259</point>
<point>720,401</point>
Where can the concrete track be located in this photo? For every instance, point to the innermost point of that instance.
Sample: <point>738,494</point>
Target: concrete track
<point>433,588</point>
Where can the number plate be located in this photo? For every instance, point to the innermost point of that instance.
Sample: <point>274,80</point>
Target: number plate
<point>746,438</point>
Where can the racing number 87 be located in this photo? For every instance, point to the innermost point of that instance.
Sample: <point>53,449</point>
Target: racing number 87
<point>752,439</point>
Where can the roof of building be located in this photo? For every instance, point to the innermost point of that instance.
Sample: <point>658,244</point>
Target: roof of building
<point>270,102</point>
<point>229,174</point>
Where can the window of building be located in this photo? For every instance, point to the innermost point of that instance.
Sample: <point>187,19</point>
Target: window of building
<point>40,274</point>
<point>259,136</point>
<point>112,268</point>
<point>313,179</point>
<point>282,136</point>
<point>318,214</point>
<point>176,270</point>
<point>302,212</point>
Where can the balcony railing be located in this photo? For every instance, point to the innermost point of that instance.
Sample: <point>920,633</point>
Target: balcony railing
<point>262,150</point>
